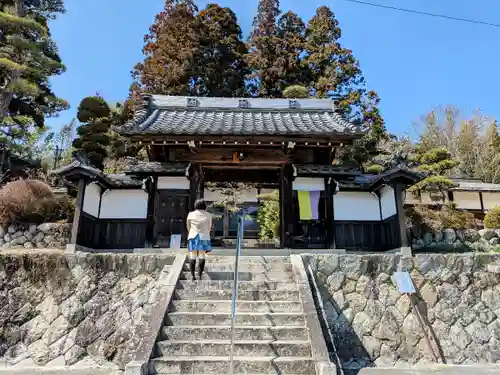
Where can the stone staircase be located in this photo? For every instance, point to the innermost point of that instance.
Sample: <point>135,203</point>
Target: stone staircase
<point>271,332</point>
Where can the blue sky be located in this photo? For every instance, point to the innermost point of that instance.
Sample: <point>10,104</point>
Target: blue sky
<point>414,62</point>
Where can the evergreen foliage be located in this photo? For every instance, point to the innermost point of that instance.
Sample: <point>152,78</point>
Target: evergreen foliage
<point>269,216</point>
<point>93,138</point>
<point>28,58</point>
<point>437,164</point>
<point>492,218</point>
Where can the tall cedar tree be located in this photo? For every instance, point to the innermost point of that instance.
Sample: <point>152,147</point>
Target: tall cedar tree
<point>219,63</point>
<point>335,72</point>
<point>28,57</point>
<point>276,58</point>
<point>169,51</point>
<point>263,51</point>
<point>205,56</point>
<point>93,137</point>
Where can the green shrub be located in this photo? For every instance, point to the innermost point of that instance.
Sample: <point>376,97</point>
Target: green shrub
<point>492,218</point>
<point>269,216</point>
<point>374,168</point>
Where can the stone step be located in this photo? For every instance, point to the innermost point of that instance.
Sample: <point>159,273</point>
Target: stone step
<point>243,276</point>
<point>241,306</point>
<point>249,259</point>
<point>242,365</point>
<point>244,295</point>
<point>244,267</point>
<point>242,285</point>
<point>223,332</point>
<point>241,348</point>
<point>259,319</point>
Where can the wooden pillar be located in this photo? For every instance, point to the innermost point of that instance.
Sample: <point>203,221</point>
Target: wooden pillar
<point>329,224</point>
<point>78,211</point>
<point>152,189</point>
<point>399,197</point>
<point>286,196</point>
<point>196,186</point>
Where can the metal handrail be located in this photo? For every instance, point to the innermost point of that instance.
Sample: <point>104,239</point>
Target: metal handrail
<point>239,241</point>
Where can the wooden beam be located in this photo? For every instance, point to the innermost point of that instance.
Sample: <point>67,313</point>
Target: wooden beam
<point>401,220</point>
<point>196,186</point>
<point>286,197</point>
<point>329,222</point>
<point>78,211</point>
<point>150,228</point>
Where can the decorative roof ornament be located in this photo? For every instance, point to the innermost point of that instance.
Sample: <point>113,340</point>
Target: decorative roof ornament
<point>192,102</point>
<point>243,103</point>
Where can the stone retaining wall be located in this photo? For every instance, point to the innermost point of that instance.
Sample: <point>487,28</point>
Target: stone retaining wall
<point>78,310</point>
<point>32,236</point>
<point>457,240</point>
<point>373,324</point>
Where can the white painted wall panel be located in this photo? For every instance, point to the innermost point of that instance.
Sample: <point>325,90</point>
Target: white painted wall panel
<point>387,202</point>
<point>91,199</point>
<point>467,200</point>
<point>309,184</point>
<point>491,200</point>
<point>349,205</point>
<point>173,182</point>
<point>124,204</point>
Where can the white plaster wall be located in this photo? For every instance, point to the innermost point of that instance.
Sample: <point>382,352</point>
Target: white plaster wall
<point>246,196</point>
<point>309,184</point>
<point>491,200</point>
<point>362,206</point>
<point>124,204</point>
<point>91,199</point>
<point>387,202</point>
<point>467,200</point>
<point>173,182</point>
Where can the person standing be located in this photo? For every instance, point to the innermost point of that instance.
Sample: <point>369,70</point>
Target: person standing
<point>199,225</point>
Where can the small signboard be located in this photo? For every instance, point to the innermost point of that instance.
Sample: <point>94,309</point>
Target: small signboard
<point>404,282</point>
<point>175,241</point>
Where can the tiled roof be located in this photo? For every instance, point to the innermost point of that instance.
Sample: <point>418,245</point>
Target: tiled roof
<point>475,186</point>
<point>142,167</point>
<point>166,115</point>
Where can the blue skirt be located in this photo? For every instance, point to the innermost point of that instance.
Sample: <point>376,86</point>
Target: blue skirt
<point>195,244</point>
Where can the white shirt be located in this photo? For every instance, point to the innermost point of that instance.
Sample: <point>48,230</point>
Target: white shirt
<point>199,222</point>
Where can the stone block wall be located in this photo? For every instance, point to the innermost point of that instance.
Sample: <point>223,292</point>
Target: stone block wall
<point>457,240</point>
<point>32,236</point>
<point>373,324</point>
<point>78,310</point>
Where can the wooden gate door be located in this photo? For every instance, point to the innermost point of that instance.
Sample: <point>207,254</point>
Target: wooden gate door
<point>171,210</point>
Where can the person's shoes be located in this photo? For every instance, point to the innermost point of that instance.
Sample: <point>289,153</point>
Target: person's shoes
<point>201,267</point>
<point>192,268</point>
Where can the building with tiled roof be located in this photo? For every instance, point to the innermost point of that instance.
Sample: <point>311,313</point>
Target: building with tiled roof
<point>195,145</point>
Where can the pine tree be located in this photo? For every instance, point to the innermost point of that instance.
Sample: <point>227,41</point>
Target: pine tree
<point>219,64</point>
<point>28,57</point>
<point>170,49</point>
<point>93,137</point>
<point>437,163</point>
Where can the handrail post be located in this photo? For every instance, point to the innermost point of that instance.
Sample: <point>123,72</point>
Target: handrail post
<point>239,240</point>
